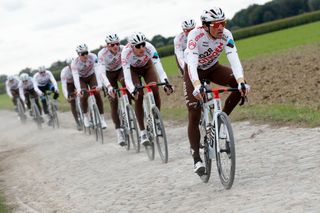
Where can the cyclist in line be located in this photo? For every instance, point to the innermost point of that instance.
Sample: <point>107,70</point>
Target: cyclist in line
<point>140,58</point>
<point>68,90</point>
<point>180,42</point>
<point>109,63</point>
<point>85,74</point>
<point>12,88</point>
<point>204,47</point>
<point>44,80</point>
<point>27,88</point>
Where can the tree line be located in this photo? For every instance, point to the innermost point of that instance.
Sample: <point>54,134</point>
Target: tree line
<point>253,15</point>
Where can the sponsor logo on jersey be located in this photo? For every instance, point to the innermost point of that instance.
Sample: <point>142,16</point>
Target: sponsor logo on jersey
<point>199,36</point>
<point>192,44</point>
<point>210,55</point>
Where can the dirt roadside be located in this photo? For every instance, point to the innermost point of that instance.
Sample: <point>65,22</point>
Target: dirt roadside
<point>67,171</point>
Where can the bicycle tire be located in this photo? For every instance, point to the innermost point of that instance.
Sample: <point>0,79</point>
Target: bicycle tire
<point>55,119</point>
<point>226,173</point>
<point>207,140</point>
<point>160,135</point>
<point>80,117</point>
<point>150,147</point>
<point>97,124</point>
<point>21,112</point>
<point>37,116</point>
<point>133,128</point>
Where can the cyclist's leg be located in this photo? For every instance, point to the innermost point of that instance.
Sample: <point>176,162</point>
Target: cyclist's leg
<point>180,68</point>
<point>51,87</point>
<point>194,114</point>
<point>113,77</point>
<point>223,75</point>
<point>139,103</point>
<point>43,98</point>
<point>70,90</point>
<point>121,80</point>
<point>93,83</point>
<point>149,76</point>
<point>36,99</point>
<point>27,97</point>
<point>84,98</point>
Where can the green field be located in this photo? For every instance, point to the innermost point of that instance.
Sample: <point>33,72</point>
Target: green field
<point>265,44</point>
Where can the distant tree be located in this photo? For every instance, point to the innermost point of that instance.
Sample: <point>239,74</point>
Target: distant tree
<point>158,40</point>
<point>314,5</point>
<point>26,70</point>
<point>3,78</point>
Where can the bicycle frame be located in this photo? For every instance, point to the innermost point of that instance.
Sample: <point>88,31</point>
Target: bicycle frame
<point>123,102</point>
<point>214,103</point>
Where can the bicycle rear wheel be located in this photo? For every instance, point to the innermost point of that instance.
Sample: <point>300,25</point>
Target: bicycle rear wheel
<point>37,116</point>
<point>226,157</point>
<point>133,129</point>
<point>21,111</point>
<point>97,124</point>
<point>160,135</point>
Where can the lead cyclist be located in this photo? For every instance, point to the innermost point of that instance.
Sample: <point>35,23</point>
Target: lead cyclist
<point>204,47</point>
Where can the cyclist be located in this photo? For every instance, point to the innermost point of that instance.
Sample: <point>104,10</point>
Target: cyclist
<point>27,88</point>
<point>180,42</point>
<point>205,44</point>
<point>85,74</point>
<point>68,89</point>
<point>44,80</point>
<point>12,88</point>
<point>109,61</point>
<point>140,59</point>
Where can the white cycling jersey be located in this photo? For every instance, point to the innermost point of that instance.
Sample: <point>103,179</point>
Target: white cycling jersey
<point>203,52</point>
<point>41,80</point>
<point>109,61</point>
<point>180,44</point>
<point>66,77</point>
<point>84,69</point>
<point>27,86</point>
<point>12,85</point>
<point>128,59</point>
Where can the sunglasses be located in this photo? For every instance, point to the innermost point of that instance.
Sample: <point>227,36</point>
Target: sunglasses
<point>218,24</point>
<point>114,44</point>
<point>138,46</point>
<point>84,53</point>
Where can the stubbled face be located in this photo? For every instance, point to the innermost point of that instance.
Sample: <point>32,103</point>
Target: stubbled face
<point>216,29</point>
<point>83,56</point>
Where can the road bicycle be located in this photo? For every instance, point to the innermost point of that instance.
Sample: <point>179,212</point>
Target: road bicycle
<point>218,141</point>
<point>154,124</point>
<point>94,114</point>
<point>52,108</point>
<point>128,120</point>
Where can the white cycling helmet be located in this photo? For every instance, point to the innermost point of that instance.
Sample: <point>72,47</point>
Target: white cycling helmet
<point>188,24</point>
<point>69,61</point>
<point>10,77</point>
<point>82,48</point>
<point>112,38</point>
<point>137,38</point>
<point>24,77</point>
<point>42,68</point>
<point>214,14</point>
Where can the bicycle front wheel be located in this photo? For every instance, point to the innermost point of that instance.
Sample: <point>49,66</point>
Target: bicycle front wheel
<point>160,135</point>
<point>97,124</point>
<point>21,111</point>
<point>226,157</point>
<point>55,119</point>
<point>37,116</point>
<point>133,129</point>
